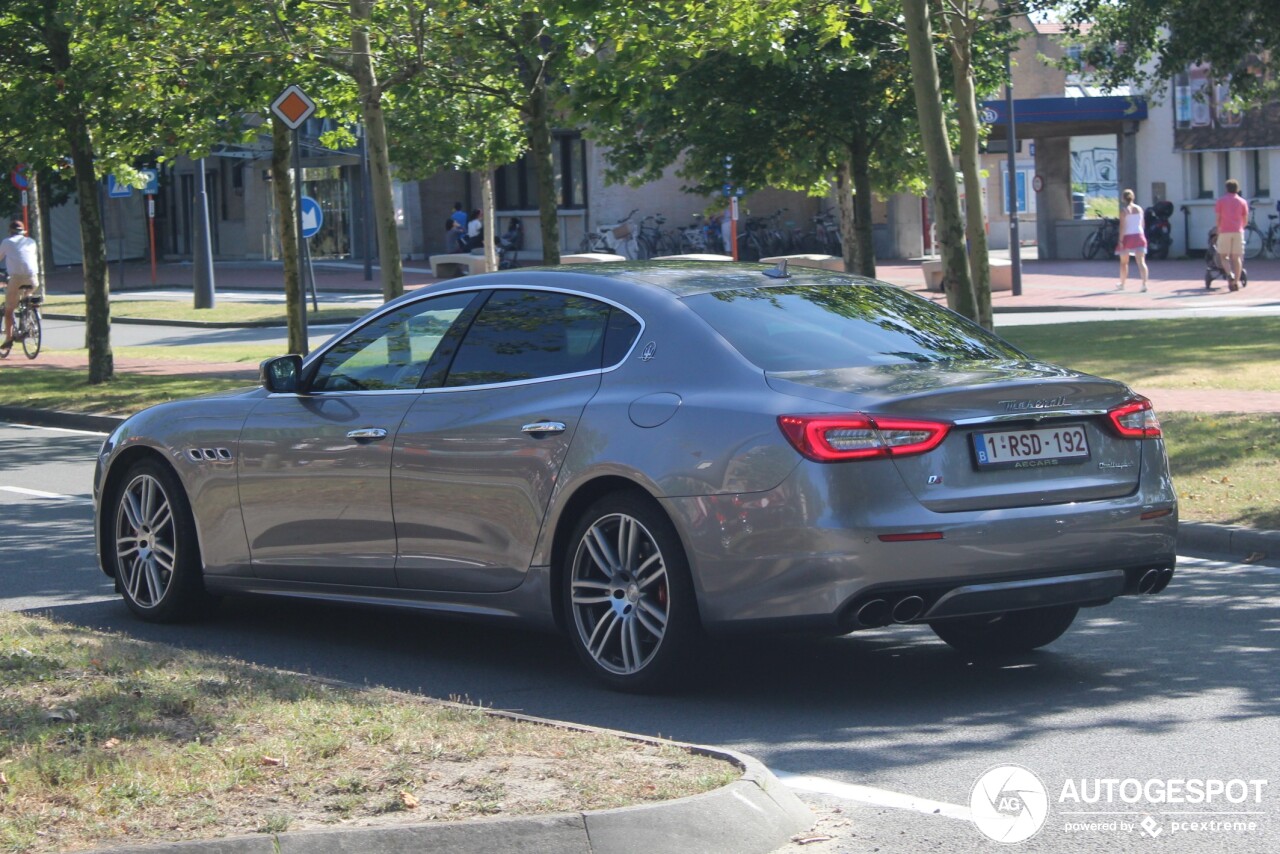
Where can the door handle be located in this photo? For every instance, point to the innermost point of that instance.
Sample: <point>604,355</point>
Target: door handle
<point>367,434</point>
<point>543,427</point>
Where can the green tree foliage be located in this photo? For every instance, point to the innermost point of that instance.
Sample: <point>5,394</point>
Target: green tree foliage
<point>811,97</point>
<point>1150,41</point>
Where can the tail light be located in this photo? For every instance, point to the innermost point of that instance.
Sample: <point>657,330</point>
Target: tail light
<point>1135,419</point>
<point>835,438</point>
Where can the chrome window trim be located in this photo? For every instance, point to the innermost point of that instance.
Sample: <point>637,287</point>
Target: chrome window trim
<point>378,313</point>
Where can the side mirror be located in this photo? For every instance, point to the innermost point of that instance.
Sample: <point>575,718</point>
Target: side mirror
<point>280,375</point>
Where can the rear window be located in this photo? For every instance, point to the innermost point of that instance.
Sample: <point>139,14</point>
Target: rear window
<point>817,327</point>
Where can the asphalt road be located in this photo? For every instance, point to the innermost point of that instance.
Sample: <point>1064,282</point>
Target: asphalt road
<point>884,733</point>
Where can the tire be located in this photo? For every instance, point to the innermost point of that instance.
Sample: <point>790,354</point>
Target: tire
<point>31,334</point>
<point>1160,243</point>
<point>1092,244</point>
<point>1004,634</point>
<point>151,546</point>
<point>1252,243</point>
<point>632,620</point>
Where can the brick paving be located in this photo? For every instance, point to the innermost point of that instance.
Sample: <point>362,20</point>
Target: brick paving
<point>1046,285</point>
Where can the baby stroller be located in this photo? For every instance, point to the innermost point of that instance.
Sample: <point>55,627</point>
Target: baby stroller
<point>1213,266</point>
<point>509,243</point>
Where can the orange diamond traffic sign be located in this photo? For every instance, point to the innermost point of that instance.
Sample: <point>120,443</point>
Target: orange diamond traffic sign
<point>293,107</point>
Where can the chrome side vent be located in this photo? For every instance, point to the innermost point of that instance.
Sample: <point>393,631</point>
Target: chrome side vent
<point>212,455</point>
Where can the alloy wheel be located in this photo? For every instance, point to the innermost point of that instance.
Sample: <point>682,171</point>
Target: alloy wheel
<point>145,541</point>
<point>620,594</point>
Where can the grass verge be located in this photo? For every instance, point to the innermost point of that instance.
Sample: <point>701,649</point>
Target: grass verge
<point>1226,467</point>
<point>106,739</point>
<point>1237,353</point>
<point>226,311</point>
<point>68,390</point>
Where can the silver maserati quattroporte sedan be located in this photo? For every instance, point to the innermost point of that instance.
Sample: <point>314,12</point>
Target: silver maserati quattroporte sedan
<point>641,454</point>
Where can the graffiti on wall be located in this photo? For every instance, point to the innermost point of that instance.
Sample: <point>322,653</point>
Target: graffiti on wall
<point>1097,169</point>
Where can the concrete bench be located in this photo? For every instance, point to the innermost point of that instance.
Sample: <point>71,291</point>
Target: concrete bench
<point>693,256</point>
<point>591,258</point>
<point>823,262</point>
<point>1001,274</point>
<point>456,264</point>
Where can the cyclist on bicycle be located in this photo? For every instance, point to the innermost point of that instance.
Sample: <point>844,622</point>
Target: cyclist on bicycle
<point>23,263</point>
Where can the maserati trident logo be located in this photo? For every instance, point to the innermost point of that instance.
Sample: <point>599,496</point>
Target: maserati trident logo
<point>649,351</point>
<point>1039,403</point>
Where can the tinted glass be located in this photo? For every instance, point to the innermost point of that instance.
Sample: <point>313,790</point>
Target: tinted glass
<point>815,327</point>
<point>392,351</point>
<point>525,335</point>
<point>618,338</point>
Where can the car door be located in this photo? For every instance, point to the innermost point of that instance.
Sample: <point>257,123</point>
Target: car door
<point>477,458</point>
<point>315,466</point>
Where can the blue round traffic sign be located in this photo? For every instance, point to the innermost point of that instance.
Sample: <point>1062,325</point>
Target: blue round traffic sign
<point>18,177</point>
<point>312,217</point>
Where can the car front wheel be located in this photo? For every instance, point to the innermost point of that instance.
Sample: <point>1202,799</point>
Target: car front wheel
<point>152,545</point>
<point>628,596</point>
<point>1003,634</point>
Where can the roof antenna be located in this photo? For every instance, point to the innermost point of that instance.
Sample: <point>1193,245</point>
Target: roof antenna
<point>780,271</point>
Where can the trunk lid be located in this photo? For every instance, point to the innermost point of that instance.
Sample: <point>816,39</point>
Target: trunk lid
<point>1044,431</point>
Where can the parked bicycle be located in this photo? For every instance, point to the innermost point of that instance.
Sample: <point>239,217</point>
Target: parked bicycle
<point>1103,239</point>
<point>26,321</point>
<point>1257,241</point>
<point>651,238</point>
<point>616,239</point>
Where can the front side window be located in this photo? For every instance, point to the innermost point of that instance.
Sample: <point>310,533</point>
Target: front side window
<point>393,351</point>
<point>527,335</point>
<point>820,327</point>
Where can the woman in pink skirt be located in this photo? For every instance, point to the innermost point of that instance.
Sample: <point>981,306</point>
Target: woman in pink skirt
<point>1133,240</point>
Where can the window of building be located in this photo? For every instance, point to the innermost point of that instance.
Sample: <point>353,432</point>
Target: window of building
<point>516,185</point>
<point>1260,173</point>
<point>1202,182</point>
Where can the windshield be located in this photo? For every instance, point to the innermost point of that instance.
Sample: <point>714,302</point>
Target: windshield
<point>818,327</point>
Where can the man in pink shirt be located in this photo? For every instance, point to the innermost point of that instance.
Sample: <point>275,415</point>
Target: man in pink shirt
<point>1232,213</point>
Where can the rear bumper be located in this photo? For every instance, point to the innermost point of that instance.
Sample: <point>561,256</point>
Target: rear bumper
<point>805,557</point>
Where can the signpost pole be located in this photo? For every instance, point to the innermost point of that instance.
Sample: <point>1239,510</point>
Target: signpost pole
<point>151,233</point>
<point>304,257</point>
<point>204,285</point>
<point>1015,241</point>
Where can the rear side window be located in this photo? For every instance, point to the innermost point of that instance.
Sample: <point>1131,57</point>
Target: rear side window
<point>526,335</point>
<point>817,327</point>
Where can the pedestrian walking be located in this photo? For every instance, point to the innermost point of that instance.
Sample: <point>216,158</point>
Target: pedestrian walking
<point>1133,239</point>
<point>1232,214</point>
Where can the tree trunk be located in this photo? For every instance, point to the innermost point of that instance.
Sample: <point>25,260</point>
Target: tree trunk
<point>848,219</point>
<point>93,242</point>
<point>384,214</point>
<point>538,116</point>
<point>933,131</point>
<point>37,227</point>
<point>967,113</point>
<point>295,300</point>
<point>861,166</point>
<point>489,220</point>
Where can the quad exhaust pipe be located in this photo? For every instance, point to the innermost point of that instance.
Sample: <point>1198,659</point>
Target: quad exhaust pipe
<point>881,612</point>
<point>1155,580</point>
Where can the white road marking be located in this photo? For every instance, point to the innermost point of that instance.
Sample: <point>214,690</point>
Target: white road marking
<point>56,429</point>
<point>872,796</point>
<point>36,493</point>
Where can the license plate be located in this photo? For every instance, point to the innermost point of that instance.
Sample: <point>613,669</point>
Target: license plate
<point>1038,448</point>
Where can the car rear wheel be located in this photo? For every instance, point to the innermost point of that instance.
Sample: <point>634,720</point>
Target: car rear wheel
<point>152,545</point>
<point>1002,634</point>
<point>628,596</point>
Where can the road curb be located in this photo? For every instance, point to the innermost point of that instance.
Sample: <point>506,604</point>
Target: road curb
<point>203,324</point>
<point>755,814</point>
<point>64,420</point>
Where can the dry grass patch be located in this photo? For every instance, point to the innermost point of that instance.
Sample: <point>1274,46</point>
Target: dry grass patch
<point>105,739</point>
